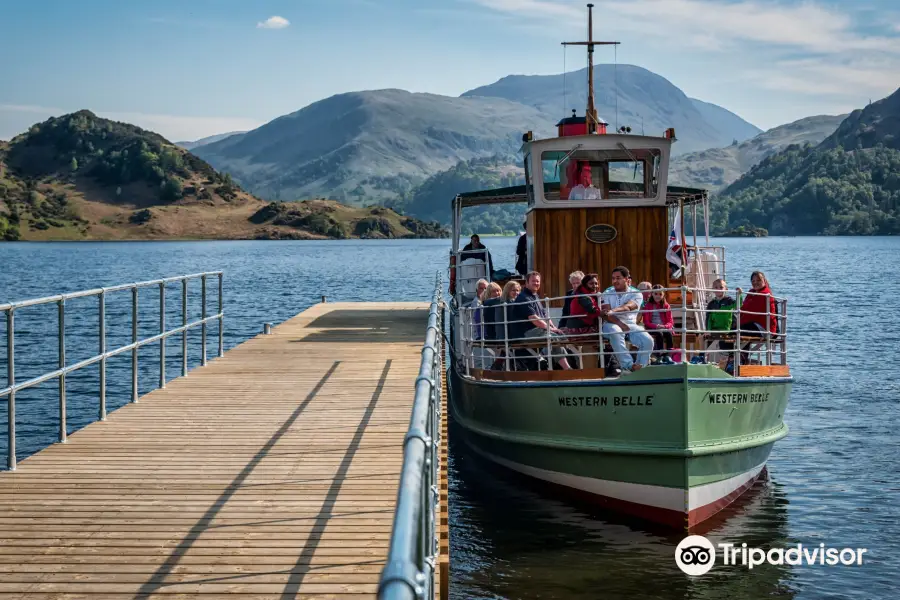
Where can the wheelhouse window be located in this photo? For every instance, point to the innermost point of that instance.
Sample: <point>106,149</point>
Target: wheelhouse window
<point>622,173</point>
<point>529,191</point>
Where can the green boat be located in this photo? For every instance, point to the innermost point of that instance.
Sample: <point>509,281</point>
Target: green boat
<point>674,442</point>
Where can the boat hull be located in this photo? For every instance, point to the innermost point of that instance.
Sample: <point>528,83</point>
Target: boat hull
<point>670,444</point>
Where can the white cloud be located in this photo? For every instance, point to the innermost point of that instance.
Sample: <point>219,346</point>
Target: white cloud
<point>807,26</point>
<point>772,50</point>
<point>15,119</point>
<point>274,22</point>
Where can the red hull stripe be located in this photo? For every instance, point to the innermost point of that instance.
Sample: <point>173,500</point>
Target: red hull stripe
<point>681,519</point>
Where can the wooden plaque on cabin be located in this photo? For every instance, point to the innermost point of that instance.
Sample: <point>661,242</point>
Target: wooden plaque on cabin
<point>600,234</point>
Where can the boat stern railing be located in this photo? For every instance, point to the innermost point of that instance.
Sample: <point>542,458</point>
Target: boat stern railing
<point>104,353</point>
<point>410,568</point>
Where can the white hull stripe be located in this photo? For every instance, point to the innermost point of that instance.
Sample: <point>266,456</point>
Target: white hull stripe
<point>702,495</point>
<point>637,493</point>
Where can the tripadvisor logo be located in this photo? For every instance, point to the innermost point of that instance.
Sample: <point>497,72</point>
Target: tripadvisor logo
<point>696,555</point>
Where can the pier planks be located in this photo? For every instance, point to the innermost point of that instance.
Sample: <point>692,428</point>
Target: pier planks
<point>270,473</point>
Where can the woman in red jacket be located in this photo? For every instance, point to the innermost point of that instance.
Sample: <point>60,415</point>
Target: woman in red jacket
<point>584,318</point>
<point>756,306</point>
<point>584,312</point>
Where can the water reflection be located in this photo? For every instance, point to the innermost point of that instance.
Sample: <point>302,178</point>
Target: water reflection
<point>513,540</point>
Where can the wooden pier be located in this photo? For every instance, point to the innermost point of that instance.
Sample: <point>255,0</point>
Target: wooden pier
<point>271,472</point>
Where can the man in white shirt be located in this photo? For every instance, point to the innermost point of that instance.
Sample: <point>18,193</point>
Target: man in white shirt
<point>585,189</point>
<point>622,302</point>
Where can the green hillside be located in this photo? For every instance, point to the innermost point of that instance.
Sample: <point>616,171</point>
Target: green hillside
<point>717,167</point>
<point>431,200</point>
<point>82,177</point>
<point>847,185</point>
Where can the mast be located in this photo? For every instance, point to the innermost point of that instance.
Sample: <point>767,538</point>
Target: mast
<point>591,112</point>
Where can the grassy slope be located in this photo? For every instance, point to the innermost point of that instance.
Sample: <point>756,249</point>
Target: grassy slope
<point>43,198</point>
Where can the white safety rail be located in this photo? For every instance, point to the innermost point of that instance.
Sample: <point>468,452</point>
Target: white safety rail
<point>104,353</point>
<point>491,344</point>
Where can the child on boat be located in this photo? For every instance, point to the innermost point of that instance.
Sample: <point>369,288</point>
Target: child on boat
<point>720,317</point>
<point>659,324</point>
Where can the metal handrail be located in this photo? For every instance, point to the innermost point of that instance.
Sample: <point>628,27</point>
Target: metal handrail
<point>104,354</point>
<point>775,344</point>
<point>409,571</point>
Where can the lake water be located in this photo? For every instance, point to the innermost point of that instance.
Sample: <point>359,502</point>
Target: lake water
<point>834,480</point>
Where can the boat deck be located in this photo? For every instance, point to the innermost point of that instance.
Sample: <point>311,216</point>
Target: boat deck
<point>271,472</point>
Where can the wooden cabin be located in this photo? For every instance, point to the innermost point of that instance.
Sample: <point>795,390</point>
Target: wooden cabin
<point>595,201</point>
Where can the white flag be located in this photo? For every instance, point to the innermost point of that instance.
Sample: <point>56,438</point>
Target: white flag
<point>676,239</point>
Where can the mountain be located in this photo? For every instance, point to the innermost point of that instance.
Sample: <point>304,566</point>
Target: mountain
<point>718,167</point>
<point>82,177</point>
<point>206,140</point>
<point>878,123</point>
<point>726,121</point>
<point>366,146</point>
<point>644,100</point>
<point>373,146</point>
<point>849,184</point>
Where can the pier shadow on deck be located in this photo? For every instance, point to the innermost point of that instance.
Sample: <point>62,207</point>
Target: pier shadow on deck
<point>367,327</point>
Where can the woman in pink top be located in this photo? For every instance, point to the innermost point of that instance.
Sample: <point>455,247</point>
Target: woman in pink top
<point>659,323</point>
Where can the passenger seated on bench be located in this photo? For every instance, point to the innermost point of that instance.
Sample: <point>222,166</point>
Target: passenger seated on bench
<point>755,307</point>
<point>485,316</point>
<point>575,278</point>
<point>472,312</point>
<point>505,311</point>
<point>584,319</point>
<point>584,311</point>
<point>659,323</point>
<point>720,315</point>
<point>622,302</point>
<point>533,317</point>
<point>499,311</point>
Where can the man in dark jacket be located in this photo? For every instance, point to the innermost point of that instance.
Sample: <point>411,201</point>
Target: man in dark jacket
<point>475,249</point>
<point>522,252</point>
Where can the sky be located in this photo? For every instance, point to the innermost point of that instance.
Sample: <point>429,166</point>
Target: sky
<point>192,68</point>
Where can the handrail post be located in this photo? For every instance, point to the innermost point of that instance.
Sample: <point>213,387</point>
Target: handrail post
<point>768,329</point>
<point>184,334</point>
<point>222,318</point>
<point>134,339</point>
<point>506,335</point>
<point>62,376</point>
<point>11,381</point>
<point>547,330</point>
<point>162,331</point>
<point>684,323</point>
<point>102,319</point>
<point>784,337</point>
<point>601,351</point>
<point>736,370</point>
<point>203,316</point>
